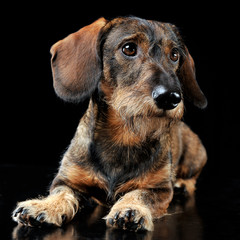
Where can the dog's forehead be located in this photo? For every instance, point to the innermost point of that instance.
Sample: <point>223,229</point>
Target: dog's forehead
<point>153,30</point>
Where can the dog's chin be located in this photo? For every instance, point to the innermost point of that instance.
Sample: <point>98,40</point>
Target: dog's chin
<point>154,120</point>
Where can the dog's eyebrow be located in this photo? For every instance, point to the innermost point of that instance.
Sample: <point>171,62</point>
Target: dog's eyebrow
<point>179,46</point>
<point>174,38</point>
<point>138,37</point>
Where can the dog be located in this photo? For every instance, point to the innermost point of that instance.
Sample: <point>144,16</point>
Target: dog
<point>131,148</point>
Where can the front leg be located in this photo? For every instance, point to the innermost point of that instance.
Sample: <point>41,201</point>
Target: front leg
<point>64,202</point>
<point>136,210</point>
<point>59,207</point>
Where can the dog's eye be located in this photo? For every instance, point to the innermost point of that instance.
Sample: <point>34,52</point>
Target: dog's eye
<point>174,55</point>
<point>130,49</point>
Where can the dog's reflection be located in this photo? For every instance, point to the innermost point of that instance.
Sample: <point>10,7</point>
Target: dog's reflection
<point>182,220</point>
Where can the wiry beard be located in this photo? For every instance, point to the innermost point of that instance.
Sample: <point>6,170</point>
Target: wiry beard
<point>133,103</point>
<point>141,115</point>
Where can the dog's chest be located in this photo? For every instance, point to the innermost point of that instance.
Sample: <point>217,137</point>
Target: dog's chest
<point>119,164</point>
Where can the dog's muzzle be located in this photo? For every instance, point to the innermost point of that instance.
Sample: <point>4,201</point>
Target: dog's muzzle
<point>166,99</point>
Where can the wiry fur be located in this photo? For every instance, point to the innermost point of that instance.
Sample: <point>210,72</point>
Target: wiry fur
<point>127,151</point>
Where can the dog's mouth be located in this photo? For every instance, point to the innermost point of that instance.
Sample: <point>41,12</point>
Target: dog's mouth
<point>152,113</point>
<point>144,119</point>
<point>137,105</point>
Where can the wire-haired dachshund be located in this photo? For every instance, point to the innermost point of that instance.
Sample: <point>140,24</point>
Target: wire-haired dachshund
<point>131,148</point>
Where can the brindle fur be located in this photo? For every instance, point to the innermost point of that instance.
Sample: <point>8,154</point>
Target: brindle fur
<point>126,151</point>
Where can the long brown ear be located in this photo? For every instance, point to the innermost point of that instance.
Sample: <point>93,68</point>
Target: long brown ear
<point>76,64</point>
<point>190,86</point>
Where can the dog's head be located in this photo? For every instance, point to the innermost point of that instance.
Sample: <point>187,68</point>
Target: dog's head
<point>140,66</point>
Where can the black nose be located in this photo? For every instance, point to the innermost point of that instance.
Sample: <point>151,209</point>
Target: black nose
<point>166,99</point>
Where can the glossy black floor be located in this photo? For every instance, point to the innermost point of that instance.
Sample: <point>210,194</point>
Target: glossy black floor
<point>213,214</point>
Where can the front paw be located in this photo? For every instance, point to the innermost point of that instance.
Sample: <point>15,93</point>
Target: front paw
<point>129,217</point>
<point>55,209</point>
<point>36,213</point>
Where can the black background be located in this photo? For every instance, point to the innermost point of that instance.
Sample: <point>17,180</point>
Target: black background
<point>38,126</point>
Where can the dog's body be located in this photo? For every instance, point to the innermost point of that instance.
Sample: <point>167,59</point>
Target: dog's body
<point>131,148</point>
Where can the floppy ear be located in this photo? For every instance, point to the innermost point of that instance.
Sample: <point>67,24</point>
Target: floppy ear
<point>76,65</point>
<point>190,86</point>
